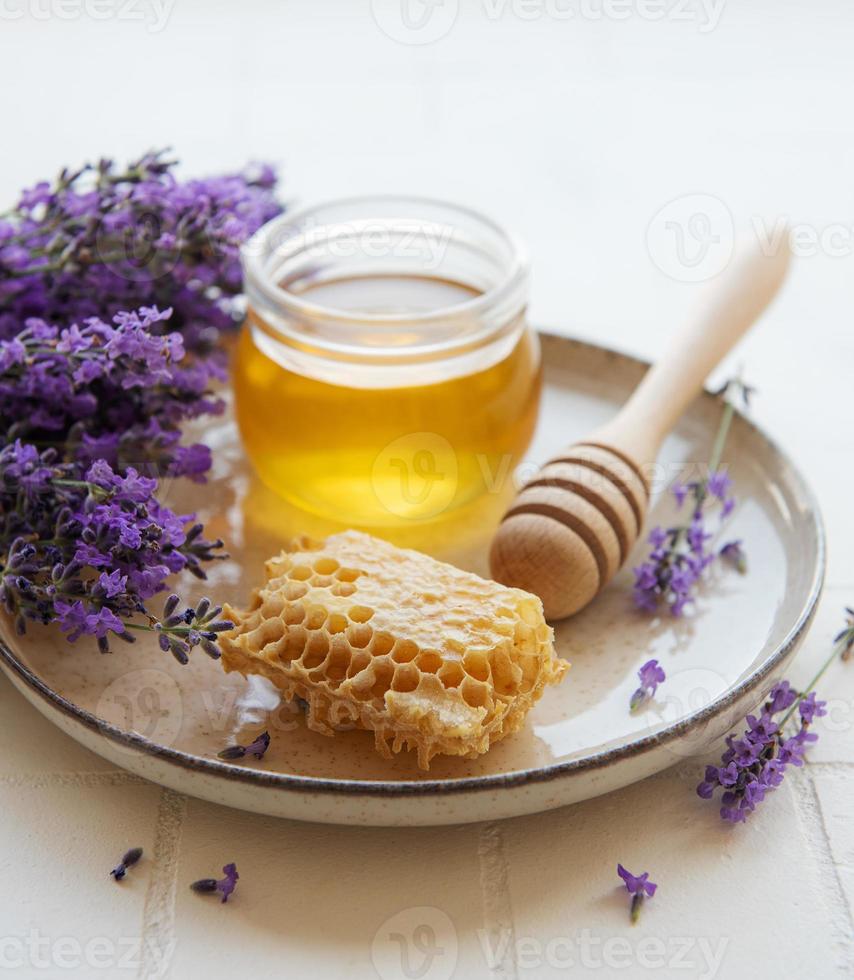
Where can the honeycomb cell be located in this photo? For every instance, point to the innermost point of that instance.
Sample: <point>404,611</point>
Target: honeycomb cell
<point>300,573</point>
<point>406,678</point>
<point>404,651</point>
<point>382,644</point>
<point>476,666</point>
<point>451,674</point>
<point>273,605</point>
<point>429,661</point>
<point>504,673</point>
<point>270,630</point>
<point>325,566</point>
<point>358,662</point>
<point>343,589</point>
<point>337,663</point>
<point>336,623</point>
<point>359,635</point>
<point>295,590</point>
<point>475,693</point>
<point>359,614</point>
<point>316,650</point>
<point>383,674</point>
<point>315,617</point>
<point>347,574</point>
<point>293,614</point>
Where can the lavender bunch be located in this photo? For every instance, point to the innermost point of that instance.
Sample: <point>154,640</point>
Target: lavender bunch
<point>100,239</point>
<point>681,554</point>
<point>757,762</point>
<point>115,287</point>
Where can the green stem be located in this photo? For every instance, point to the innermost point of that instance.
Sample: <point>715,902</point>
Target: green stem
<point>721,437</point>
<point>838,648</point>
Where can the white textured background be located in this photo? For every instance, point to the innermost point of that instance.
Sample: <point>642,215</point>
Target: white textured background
<point>575,131</point>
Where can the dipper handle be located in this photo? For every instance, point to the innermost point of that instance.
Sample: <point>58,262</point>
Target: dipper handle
<point>741,294</point>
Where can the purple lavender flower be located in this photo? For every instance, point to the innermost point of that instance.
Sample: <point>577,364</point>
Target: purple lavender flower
<point>680,555</point>
<point>782,696</point>
<point>650,675</point>
<point>810,709</point>
<point>760,730</point>
<point>225,886</point>
<point>753,765</point>
<point>256,748</point>
<point>639,887</point>
<point>718,484</point>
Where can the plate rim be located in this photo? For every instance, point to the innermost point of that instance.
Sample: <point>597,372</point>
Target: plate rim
<point>291,782</point>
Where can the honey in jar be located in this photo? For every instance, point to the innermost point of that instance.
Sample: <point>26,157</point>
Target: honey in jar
<point>385,373</point>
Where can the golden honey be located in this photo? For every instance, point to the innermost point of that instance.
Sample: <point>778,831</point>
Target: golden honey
<point>387,397</point>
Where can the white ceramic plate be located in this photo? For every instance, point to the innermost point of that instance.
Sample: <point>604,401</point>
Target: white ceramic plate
<point>141,710</point>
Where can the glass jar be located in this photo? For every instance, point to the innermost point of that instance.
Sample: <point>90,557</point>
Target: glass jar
<point>385,372</point>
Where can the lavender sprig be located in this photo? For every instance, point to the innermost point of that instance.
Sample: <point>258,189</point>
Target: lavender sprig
<point>639,887</point>
<point>757,762</point>
<point>225,886</point>
<point>650,675</point>
<point>682,553</point>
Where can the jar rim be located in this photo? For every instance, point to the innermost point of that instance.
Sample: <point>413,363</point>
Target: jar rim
<point>255,252</point>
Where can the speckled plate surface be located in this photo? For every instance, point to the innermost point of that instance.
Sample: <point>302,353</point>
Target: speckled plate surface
<point>140,709</point>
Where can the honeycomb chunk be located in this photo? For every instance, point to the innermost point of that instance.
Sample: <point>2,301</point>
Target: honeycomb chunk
<point>422,654</point>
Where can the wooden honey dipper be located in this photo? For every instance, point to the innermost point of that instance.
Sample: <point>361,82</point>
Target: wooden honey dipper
<point>573,526</point>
